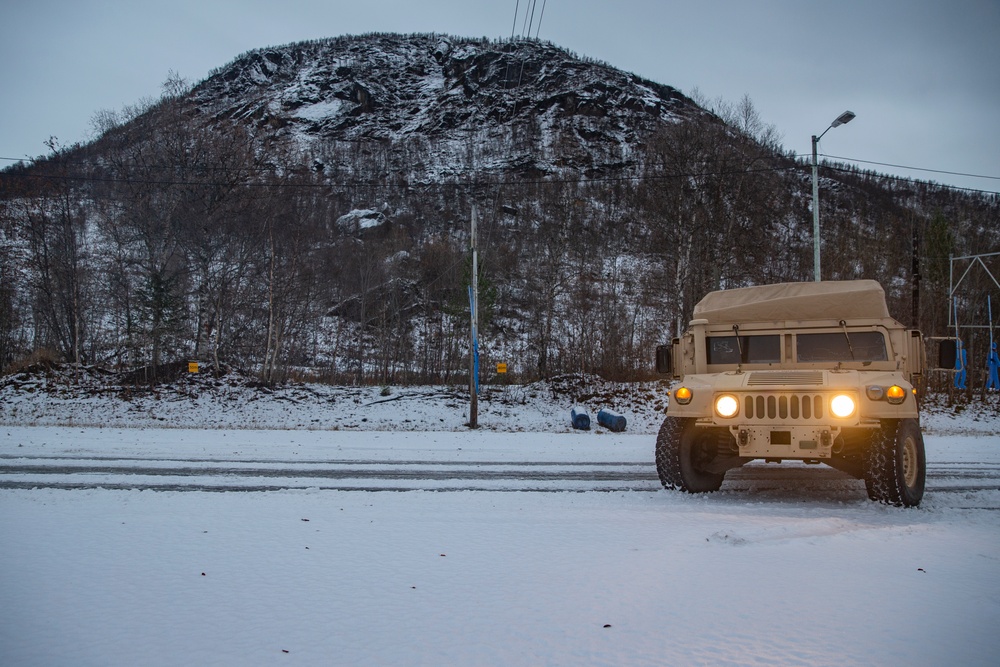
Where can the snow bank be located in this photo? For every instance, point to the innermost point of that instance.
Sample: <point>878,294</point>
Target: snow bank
<point>200,401</point>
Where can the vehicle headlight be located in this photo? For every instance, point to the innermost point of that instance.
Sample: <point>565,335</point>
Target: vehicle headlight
<point>726,406</point>
<point>842,406</point>
<point>682,395</point>
<point>895,394</point>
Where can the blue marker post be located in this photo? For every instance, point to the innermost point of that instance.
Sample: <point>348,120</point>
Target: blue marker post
<point>961,357</point>
<point>993,360</point>
<point>961,362</point>
<point>475,340</point>
<point>993,366</point>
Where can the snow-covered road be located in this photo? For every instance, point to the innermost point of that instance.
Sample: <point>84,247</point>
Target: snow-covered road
<point>165,460</point>
<point>173,474</point>
<point>300,563</point>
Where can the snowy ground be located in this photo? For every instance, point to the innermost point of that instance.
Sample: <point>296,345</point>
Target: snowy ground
<point>52,398</point>
<point>427,544</point>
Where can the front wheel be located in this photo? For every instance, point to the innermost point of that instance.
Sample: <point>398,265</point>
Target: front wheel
<point>895,466</point>
<point>684,454</point>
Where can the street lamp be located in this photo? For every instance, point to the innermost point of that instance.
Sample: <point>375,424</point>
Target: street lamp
<point>842,119</point>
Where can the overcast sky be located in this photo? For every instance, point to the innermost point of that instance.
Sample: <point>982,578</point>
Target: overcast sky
<point>923,77</point>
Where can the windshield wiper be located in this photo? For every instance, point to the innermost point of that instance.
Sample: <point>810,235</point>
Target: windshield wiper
<point>850,347</point>
<point>739,346</point>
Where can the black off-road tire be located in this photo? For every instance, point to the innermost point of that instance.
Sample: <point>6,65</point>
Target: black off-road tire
<point>681,451</point>
<point>895,466</point>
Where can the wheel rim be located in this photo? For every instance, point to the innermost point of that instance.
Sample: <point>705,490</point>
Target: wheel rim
<point>910,466</point>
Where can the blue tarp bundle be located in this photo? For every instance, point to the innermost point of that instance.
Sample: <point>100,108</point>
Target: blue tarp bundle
<point>580,418</point>
<point>611,420</point>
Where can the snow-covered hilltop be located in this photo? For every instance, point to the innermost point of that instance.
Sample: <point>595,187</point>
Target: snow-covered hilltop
<point>538,107</point>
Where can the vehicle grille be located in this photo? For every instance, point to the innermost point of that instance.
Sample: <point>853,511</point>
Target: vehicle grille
<point>785,377</point>
<point>762,407</point>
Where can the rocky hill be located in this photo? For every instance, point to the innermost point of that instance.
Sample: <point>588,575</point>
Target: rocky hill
<point>306,210</point>
<point>524,106</point>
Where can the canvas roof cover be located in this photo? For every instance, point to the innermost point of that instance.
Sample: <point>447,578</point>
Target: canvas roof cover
<point>831,299</point>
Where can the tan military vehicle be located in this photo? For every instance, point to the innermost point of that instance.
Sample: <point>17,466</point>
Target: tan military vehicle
<point>816,372</point>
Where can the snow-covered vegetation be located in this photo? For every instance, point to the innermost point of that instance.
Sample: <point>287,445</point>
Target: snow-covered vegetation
<point>223,223</point>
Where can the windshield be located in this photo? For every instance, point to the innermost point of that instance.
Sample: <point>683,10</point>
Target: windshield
<point>861,346</point>
<point>756,349</point>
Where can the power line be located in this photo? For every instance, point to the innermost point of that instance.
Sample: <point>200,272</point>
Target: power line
<point>61,161</point>
<point>499,187</point>
<point>540,17</point>
<point>531,4</point>
<point>224,169</point>
<point>196,167</point>
<point>905,179</point>
<point>915,181</point>
<point>475,182</point>
<point>901,166</point>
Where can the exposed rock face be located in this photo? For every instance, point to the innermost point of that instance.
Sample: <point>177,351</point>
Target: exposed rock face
<point>524,106</point>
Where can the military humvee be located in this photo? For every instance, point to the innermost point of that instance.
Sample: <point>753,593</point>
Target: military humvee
<point>816,372</point>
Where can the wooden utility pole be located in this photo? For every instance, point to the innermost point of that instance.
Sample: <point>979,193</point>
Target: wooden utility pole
<point>473,332</point>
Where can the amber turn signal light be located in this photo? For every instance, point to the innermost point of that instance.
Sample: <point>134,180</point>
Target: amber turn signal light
<point>682,395</point>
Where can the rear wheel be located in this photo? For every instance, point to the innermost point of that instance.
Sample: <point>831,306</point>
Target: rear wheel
<point>895,465</point>
<point>685,454</point>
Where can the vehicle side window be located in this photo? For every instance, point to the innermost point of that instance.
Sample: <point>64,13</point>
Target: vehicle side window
<point>756,349</point>
<point>853,346</point>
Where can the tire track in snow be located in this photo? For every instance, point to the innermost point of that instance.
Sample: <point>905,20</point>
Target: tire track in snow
<point>355,475</point>
<point>258,475</point>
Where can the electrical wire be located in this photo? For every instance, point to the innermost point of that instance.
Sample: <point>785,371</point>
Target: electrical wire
<point>472,183</point>
<point>915,181</point>
<point>222,169</point>
<point>901,166</point>
<point>540,17</point>
<point>59,160</point>
<point>270,169</point>
<point>530,7</point>
<point>487,237</point>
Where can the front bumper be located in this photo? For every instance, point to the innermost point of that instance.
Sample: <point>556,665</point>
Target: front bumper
<point>785,441</point>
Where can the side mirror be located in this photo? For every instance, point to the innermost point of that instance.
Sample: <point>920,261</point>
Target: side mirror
<point>947,353</point>
<point>664,359</point>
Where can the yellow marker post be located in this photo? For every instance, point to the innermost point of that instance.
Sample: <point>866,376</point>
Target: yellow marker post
<point>501,368</point>
<point>192,367</point>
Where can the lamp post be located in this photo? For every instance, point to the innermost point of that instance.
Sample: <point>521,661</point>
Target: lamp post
<point>842,119</point>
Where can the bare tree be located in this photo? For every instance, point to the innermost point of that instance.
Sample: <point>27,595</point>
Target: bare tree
<point>53,224</point>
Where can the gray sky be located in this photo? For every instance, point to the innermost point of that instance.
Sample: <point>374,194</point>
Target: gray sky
<point>923,77</point>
